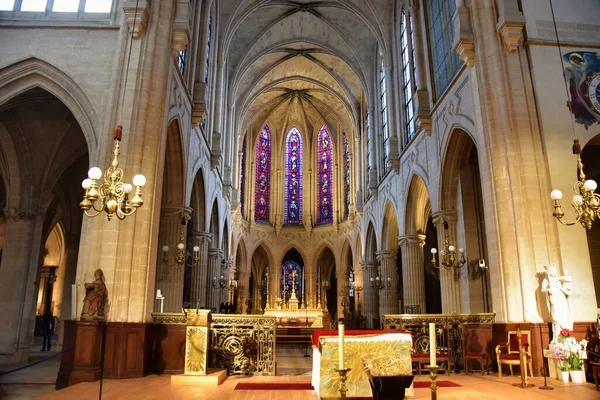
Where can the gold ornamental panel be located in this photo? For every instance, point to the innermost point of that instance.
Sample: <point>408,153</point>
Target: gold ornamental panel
<point>169,318</point>
<point>381,357</point>
<point>196,346</point>
<point>244,344</point>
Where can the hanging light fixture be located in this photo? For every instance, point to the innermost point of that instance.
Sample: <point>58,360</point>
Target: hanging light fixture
<point>585,201</point>
<point>181,254</point>
<point>112,197</point>
<point>448,256</point>
<point>379,282</point>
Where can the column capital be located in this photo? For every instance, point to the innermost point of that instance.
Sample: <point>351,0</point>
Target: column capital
<point>382,255</point>
<point>172,211</point>
<point>411,240</point>
<point>202,237</point>
<point>136,19</point>
<point>14,214</point>
<point>441,217</point>
<point>215,253</point>
<point>368,264</point>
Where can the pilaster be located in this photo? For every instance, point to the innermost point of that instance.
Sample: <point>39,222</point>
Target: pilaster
<point>413,275</point>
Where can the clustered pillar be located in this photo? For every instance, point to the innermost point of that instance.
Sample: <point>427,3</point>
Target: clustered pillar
<point>388,298</point>
<point>214,271</point>
<point>371,295</point>
<point>199,280</point>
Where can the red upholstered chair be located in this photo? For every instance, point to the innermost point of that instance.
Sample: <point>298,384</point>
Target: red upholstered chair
<point>511,357</point>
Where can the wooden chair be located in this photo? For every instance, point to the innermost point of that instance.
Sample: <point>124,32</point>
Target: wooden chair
<point>477,346</point>
<point>512,356</point>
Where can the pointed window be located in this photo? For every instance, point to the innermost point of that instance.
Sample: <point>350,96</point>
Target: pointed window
<point>408,73</point>
<point>243,176</point>
<point>263,175</point>
<point>346,176</point>
<point>293,178</point>
<point>208,44</point>
<point>287,272</point>
<point>385,133</point>
<point>367,154</point>
<point>325,172</point>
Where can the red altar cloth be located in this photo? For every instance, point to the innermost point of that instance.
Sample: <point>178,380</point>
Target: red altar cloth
<point>317,334</point>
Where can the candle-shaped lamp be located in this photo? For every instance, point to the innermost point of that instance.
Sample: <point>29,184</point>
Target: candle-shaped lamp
<point>432,345</point>
<point>341,343</point>
<point>73,302</point>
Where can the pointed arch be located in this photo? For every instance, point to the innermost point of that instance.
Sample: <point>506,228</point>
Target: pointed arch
<point>370,243</point>
<point>389,234</point>
<point>174,173</point>
<point>263,175</point>
<point>418,206</point>
<point>214,225</point>
<point>293,178</point>
<point>199,202</point>
<point>324,177</point>
<point>459,144</point>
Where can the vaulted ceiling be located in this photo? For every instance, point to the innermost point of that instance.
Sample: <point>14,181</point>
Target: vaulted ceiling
<point>288,60</point>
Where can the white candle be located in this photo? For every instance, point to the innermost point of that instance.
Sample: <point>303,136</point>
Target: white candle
<point>341,345</point>
<point>432,345</point>
<point>158,294</point>
<point>73,302</point>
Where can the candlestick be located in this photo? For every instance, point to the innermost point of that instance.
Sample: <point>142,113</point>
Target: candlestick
<point>433,369</point>
<point>343,372</point>
<point>341,344</point>
<point>432,345</point>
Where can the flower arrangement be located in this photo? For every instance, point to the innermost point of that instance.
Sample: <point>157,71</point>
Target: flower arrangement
<point>568,350</point>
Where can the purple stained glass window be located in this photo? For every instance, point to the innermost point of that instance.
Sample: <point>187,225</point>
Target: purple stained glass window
<point>346,176</point>
<point>287,270</point>
<point>263,175</point>
<point>293,178</point>
<point>324,177</point>
<point>243,175</point>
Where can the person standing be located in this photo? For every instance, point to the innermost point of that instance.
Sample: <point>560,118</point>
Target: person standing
<point>47,330</point>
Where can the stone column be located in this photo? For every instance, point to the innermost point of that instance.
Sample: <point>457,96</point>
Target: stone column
<point>19,267</point>
<point>342,291</point>
<point>71,254</point>
<point>200,279</point>
<point>388,297</point>
<point>170,276</point>
<point>413,273</point>
<point>450,287</point>
<point>371,295</point>
<point>242,293</point>
<point>359,283</point>
<point>214,272</point>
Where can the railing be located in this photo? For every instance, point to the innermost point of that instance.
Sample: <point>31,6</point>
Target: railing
<point>243,343</point>
<point>418,326</point>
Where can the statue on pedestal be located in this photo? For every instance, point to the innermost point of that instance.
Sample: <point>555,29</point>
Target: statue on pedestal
<point>96,297</point>
<point>558,290</point>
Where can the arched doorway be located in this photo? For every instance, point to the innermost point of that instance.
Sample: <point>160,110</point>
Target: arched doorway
<point>327,280</point>
<point>43,160</point>
<point>259,290</point>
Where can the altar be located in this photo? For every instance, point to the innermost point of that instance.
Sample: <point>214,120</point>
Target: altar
<point>383,352</point>
<point>303,318</point>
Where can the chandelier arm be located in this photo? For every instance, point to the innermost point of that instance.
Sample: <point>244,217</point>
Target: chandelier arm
<point>98,212</point>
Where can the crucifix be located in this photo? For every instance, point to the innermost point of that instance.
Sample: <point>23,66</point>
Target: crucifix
<point>294,275</point>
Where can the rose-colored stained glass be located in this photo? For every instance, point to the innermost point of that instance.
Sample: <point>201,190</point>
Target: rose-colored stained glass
<point>293,178</point>
<point>324,177</point>
<point>263,175</point>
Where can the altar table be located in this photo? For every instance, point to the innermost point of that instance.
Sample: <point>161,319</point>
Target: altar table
<point>384,352</point>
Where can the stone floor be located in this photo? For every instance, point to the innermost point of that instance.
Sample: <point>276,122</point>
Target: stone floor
<point>38,382</point>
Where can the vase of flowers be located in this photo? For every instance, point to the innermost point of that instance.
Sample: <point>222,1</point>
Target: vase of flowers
<point>563,365</point>
<point>570,353</point>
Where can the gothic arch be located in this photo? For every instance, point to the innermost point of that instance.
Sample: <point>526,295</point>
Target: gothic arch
<point>198,202</point>
<point>174,173</point>
<point>30,73</point>
<point>418,206</point>
<point>214,225</point>
<point>370,243</point>
<point>459,144</point>
<point>389,233</point>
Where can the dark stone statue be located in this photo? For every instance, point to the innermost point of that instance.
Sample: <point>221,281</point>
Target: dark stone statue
<point>96,297</point>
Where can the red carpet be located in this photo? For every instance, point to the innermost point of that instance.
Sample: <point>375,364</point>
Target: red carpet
<point>273,386</point>
<point>421,385</point>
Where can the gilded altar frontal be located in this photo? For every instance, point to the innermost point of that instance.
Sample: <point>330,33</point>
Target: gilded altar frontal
<point>316,199</point>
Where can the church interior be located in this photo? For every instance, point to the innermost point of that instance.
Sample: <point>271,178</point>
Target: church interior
<point>318,199</point>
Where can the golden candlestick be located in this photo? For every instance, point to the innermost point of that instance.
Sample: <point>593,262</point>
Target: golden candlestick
<point>343,377</point>
<point>433,369</point>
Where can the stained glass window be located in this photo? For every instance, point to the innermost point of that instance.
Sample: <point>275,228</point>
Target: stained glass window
<point>407,75</point>
<point>181,61</point>
<point>346,175</point>
<point>325,184</point>
<point>441,34</point>
<point>208,44</point>
<point>287,272</point>
<point>385,133</point>
<point>243,175</point>
<point>368,154</point>
<point>263,175</point>
<point>293,178</point>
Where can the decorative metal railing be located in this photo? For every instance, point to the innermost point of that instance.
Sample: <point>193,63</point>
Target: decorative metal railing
<point>451,337</point>
<point>244,344</point>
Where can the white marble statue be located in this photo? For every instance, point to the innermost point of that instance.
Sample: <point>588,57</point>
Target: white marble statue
<point>558,289</point>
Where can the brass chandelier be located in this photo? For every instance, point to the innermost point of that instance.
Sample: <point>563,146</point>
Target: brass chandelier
<point>585,201</point>
<point>379,282</point>
<point>181,255</point>
<point>112,196</point>
<point>448,256</point>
